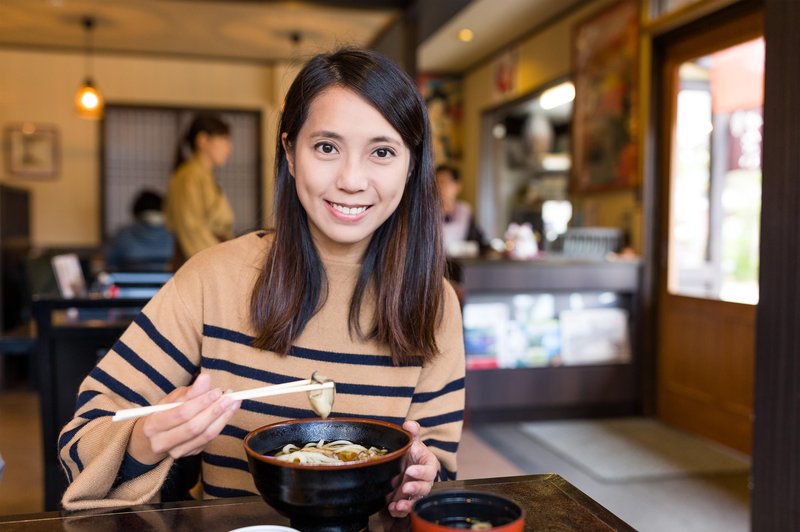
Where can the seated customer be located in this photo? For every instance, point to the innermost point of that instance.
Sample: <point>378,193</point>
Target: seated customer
<point>145,245</point>
<point>459,224</point>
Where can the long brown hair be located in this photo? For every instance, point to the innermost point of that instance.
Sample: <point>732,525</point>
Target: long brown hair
<point>403,266</point>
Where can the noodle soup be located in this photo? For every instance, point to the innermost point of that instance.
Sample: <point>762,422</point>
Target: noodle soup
<point>330,453</point>
<point>327,496</point>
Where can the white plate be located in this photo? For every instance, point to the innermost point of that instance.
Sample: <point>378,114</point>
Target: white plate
<point>265,528</point>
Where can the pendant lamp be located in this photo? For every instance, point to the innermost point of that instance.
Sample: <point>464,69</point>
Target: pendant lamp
<point>88,99</point>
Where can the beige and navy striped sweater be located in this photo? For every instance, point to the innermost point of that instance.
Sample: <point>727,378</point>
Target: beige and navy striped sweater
<point>199,322</point>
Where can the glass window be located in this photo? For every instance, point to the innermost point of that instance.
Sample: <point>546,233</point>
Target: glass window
<point>529,330</point>
<point>715,185</point>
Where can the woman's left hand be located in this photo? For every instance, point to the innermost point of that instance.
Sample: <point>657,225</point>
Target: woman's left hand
<point>420,467</point>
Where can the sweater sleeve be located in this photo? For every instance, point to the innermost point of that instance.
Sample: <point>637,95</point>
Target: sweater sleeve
<point>438,402</point>
<point>158,352</point>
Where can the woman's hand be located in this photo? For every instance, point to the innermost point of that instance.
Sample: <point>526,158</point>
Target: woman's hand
<point>184,430</point>
<point>420,467</point>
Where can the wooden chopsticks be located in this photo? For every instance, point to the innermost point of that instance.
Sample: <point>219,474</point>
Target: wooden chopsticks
<point>305,385</point>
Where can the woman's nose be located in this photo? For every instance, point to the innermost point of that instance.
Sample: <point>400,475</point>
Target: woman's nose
<point>352,175</point>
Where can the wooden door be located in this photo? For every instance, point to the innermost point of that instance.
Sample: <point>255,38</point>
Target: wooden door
<point>710,169</point>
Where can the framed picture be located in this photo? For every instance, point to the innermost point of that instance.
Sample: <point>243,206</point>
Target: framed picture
<point>32,150</point>
<point>444,98</point>
<point>604,129</point>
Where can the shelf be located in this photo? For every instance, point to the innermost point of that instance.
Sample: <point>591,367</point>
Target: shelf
<point>550,275</point>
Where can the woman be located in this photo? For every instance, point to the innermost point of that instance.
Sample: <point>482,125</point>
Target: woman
<point>350,284</point>
<point>198,213</point>
<point>459,224</point>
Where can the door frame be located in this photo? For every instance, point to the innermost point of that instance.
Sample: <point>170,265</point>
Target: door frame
<point>718,33</point>
<point>776,464</point>
<point>654,161</point>
<point>776,461</point>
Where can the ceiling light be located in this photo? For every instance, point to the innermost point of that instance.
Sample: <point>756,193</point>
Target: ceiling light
<point>88,99</point>
<point>465,35</point>
<point>558,95</point>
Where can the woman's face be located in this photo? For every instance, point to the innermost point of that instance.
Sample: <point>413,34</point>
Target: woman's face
<point>215,148</point>
<point>350,168</point>
<point>449,189</point>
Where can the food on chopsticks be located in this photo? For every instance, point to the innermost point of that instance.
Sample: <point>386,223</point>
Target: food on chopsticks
<point>330,453</point>
<point>321,400</point>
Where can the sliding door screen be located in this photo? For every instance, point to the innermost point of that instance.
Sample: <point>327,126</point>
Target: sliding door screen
<point>139,146</point>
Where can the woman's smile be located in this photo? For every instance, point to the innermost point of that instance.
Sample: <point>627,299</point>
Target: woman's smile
<point>347,212</point>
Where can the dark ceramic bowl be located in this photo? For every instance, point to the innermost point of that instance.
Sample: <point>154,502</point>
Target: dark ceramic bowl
<point>326,497</point>
<point>458,510</point>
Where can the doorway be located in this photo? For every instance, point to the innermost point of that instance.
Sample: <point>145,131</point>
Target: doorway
<point>711,126</point>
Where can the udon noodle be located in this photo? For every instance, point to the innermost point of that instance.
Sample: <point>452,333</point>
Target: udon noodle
<point>331,453</point>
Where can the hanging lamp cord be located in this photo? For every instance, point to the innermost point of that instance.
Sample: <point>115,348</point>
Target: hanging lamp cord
<point>88,24</point>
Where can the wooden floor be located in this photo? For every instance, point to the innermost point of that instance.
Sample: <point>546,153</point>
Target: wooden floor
<point>22,487</point>
<point>22,484</point>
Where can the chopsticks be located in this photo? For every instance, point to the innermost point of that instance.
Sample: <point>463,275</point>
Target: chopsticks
<point>305,385</point>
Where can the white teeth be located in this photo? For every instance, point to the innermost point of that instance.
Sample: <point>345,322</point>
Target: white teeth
<point>348,210</point>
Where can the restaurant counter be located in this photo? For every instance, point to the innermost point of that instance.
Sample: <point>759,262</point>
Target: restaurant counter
<point>510,381</point>
<point>549,501</point>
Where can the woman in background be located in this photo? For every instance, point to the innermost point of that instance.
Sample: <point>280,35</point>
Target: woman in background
<point>351,283</point>
<point>459,223</point>
<point>198,213</point>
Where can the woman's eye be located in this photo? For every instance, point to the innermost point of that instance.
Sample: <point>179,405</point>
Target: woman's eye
<point>326,147</point>
<point>383,153</point>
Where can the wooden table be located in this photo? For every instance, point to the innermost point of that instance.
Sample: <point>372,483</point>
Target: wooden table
<point>550,503</point>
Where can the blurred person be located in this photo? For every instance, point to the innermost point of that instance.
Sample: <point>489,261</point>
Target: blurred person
<point>461,236</point>
<point>459,224</point>
<point>198,213</point>
<point>146,244</point>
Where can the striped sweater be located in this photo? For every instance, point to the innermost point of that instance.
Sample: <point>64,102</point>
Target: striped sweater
<point>199,322</point>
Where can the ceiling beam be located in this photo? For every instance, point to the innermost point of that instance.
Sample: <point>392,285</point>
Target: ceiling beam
<point>350,4</point>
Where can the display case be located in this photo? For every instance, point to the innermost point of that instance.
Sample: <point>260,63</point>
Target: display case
<point>557,337</point>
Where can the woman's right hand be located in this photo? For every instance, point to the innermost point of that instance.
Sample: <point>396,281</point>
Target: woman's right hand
<point>184,430</point>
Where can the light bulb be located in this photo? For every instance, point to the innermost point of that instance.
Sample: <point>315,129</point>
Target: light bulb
<point>89,101</point>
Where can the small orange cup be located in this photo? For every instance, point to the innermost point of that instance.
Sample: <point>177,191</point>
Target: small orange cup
<point>458,510</point>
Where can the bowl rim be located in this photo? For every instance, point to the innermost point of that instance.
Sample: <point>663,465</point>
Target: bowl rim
<point>388,457</point>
